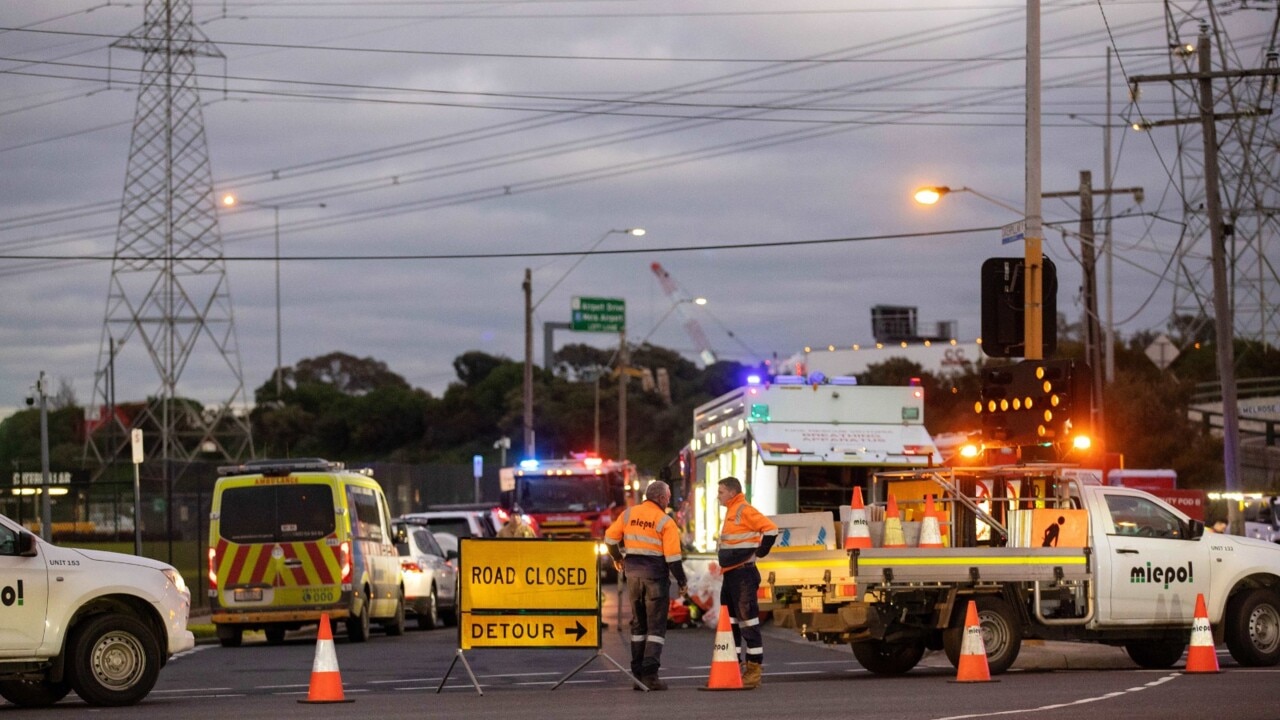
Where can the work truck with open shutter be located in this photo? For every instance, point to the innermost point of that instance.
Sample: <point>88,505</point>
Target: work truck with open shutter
<point>1119,567</point>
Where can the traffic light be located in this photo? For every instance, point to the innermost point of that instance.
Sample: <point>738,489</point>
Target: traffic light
<point>1035,402</point>
<point>1003,308</point>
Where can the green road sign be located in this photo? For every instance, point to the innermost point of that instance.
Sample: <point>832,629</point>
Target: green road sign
<point>598,314</point>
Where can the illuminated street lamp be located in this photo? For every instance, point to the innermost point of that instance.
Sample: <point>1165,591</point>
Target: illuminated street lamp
<point>931,194</point>
<point>529,307</point>
<point>229,201</point>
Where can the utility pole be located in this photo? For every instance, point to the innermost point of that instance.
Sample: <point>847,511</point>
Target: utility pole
<point>528,363</point>
<point>624,365</point>
<point>1033,253</point>
<point>46,502</point>
<point>1223,319</point>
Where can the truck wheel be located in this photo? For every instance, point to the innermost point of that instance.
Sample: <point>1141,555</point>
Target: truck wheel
<point>358,624</point>
<point>395,626</point>
<point>1001,633</point>
<point>884,658</point>
<point>1253,627</point>
<point>115,660</point>
<point>33,693</point>
<point>275,634</point>
<point>230,635</point>
<point>1156,654</point>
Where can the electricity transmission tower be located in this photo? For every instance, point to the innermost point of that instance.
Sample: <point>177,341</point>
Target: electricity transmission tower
<point>1248,151</point>
<point>168,290</point>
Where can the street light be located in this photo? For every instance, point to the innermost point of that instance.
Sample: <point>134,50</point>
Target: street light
<point>634,232</point>
<point>931,194</point>
<point>529,307</point>
<point>229,200</point>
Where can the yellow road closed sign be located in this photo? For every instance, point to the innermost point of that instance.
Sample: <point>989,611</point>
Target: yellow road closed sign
<point>520,575</point>
<point>522,631</point>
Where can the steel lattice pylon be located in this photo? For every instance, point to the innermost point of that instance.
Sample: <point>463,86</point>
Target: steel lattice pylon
<point>168,288</point>
<point>1247,158</point>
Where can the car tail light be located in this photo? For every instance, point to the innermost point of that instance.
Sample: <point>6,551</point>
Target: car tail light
<point>410,566</point>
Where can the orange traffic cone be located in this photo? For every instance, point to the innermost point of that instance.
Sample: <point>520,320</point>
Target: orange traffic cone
<point>930,532</point>
<point>725,673</point>
<point>326,682</point>
<point>858,533</point>
<point>973,652</point>
<point>1201,656</point>
<point>893,537</point>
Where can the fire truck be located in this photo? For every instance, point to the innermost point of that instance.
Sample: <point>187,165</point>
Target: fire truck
<point>576,497</point>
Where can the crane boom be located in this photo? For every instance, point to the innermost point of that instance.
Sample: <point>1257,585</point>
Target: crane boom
<point>691,325</point>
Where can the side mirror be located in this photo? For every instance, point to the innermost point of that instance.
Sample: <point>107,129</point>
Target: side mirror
<point>450,554</point>
<point>1196,530</point>
<point>26,544</point>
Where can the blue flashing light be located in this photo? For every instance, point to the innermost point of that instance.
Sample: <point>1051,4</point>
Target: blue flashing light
<point>788,379</point>
<point>844,380</point>
<point>753,379</point>
<point>530,464</point>
<point>817,377</point>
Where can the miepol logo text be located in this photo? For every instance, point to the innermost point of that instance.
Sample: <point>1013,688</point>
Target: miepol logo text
<point>1164,575</point>
<point>9,595</point>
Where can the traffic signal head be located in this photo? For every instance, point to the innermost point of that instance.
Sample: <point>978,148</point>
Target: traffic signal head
<point>1035,402</point>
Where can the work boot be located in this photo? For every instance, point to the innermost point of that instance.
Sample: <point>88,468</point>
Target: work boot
<point>751,676</point>
<point>653,682</point>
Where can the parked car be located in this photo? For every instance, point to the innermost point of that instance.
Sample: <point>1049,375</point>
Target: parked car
<point>469,521</point>
<point>430,576</point>
<point>448,543</point>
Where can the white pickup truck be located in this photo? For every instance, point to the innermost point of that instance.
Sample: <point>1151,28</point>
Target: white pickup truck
<point>99,623</point>
<point>1128,575</point>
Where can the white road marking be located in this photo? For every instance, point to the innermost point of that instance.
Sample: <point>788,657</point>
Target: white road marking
<point>1056,706</point>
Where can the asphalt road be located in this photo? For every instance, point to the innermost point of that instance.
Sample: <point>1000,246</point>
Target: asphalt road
<point>398,678</point>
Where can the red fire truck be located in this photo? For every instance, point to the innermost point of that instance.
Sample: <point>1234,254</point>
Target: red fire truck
<point>577,497</point>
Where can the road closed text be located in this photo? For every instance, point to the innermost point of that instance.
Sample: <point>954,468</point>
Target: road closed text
<point>508,575</point>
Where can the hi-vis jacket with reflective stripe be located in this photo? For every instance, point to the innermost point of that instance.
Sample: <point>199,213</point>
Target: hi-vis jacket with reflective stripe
<point>651,541</point>
<point>745,535</point>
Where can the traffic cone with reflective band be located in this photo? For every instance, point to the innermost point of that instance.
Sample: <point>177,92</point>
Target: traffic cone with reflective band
<point>1201,655</point>
<point>326,681</point>
<point>858,534</point>
<point>930,532</point>
<point>725,673</point>
<point>973,652</point>
<point>893,537</point>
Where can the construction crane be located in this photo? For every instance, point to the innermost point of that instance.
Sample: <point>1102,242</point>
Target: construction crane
<point>691,326</point>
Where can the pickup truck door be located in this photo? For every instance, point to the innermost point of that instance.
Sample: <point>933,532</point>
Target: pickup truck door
<point>24,596</point>
<point>1152,571</point>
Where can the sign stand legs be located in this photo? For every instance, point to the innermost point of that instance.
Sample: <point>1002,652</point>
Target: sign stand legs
<point>474,683</point>
<point>599,654</point>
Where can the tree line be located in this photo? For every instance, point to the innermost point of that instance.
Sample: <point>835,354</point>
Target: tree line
<point>354,409</point>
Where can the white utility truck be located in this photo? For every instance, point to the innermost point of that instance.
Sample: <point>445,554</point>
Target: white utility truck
<point>799,444</point>
<point>1043,556</point>
<point>99,623</point>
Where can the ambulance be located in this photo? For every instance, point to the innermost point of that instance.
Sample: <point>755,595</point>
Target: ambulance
<point>290,540</point>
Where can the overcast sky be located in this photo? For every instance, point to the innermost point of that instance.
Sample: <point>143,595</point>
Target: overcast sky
<point>464,127</point>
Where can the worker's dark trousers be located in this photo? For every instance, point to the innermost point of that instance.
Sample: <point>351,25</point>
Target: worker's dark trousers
<point>650,601</point>
<point>738,595</point>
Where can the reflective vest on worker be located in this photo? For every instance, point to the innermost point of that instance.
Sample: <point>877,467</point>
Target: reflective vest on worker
<point>649,538</point>
<point>744,531</point>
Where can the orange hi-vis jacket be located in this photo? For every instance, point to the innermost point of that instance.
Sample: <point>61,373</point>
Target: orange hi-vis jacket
<point>746,534</point>
<point>651,541</point>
